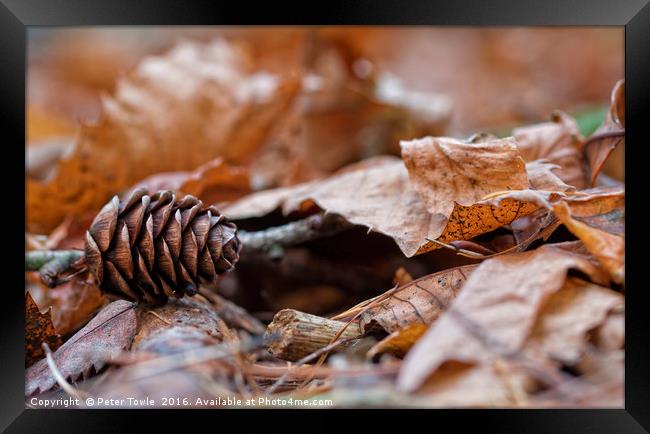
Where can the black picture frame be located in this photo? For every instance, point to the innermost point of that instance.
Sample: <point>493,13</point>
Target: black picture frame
<point>17,15</point>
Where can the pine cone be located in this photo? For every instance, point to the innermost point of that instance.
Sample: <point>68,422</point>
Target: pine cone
<point>154,247</point>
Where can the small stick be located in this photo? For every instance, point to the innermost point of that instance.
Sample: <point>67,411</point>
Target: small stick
<point>67,387</point>
<point>273,239</point>
<point>52,263</point>
<point>308,358</point>
<point>293,335</point>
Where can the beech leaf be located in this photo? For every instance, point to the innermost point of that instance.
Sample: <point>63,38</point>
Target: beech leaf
<point>596,153</point>
<point>556,142</point>
<point>197,96</point>
<point>378,194</point>
<point>103,338</point>
<point>421,301</point>
<point>496,310</point>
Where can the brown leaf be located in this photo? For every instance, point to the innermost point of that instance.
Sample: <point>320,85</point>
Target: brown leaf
<point>602,208</point>
<point>103,338</point>
<point>564,320</point>
<point>173,112</point>
<point>496,310</point>
<point>38,329</point>
<point>399,342</point>
<point>608,248</point>
<point>495,384</point>
<point>445,171</point>
<point>542,176</point>
<point>597,152</point>
<point>185,312</point>
<point>155,375</point>
<point>402,277</point>
<point>421,301</point>
<point>610,335</point>
<point>212,182</point>
<point>73,303</point>
<point>378,194</point>
<point>601,385</point>
<point>556,142</point>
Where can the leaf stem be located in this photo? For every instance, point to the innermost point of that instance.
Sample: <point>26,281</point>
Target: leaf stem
<point>601,136</point>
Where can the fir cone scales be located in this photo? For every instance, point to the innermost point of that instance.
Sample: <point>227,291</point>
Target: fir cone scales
<point>154,247</point>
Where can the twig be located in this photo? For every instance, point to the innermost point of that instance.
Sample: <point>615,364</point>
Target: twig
<point>350,321</point>
<point>67,387</point>
<point>307,359</point>
<point>159,317</point>
<point>272,240</point>
<point>53,263</point>
<point>293,334</point>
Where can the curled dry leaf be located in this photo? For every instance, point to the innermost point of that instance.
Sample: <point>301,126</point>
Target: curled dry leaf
<point>103,338</point>
<point>542,176</point>
<point>421,301</point>
<point>556,142</point>
<point>602,208</point>
<point>398,342</point>
<point>38,329</point>
<point>197,95</point>
<point>597,152</point>
<point>496,310</point>
<point>378,194</point>
<point>402,277</point>
<point>212,182</point>
<point>608,248</point>
<point>560,332</point>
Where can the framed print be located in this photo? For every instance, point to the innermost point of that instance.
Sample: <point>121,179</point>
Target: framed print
<point>359,207</point>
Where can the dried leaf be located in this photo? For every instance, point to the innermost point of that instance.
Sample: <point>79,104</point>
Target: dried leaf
<point>495,384</point>
<point>103,338</point>
<point>601,385</point>
<point>402,277</point>
<point>45,124</point>
<point>610,335</point>
<point>212,182</point>
<point>597,152</point>
<point>445,171</point>
<point>421,301</point>
<point>378,194</point>
<point>555,142</point>
<point>608,248</point>
<point>496,310</point>
<point>197,95</point>
<point>563,322</point>
<point>399,342</point>
<point>602,208</point>
<point>185,312</point>
<point>163,378</point>
<point>73,303</point>
<point>38,329</point>
<point>542,176</point>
